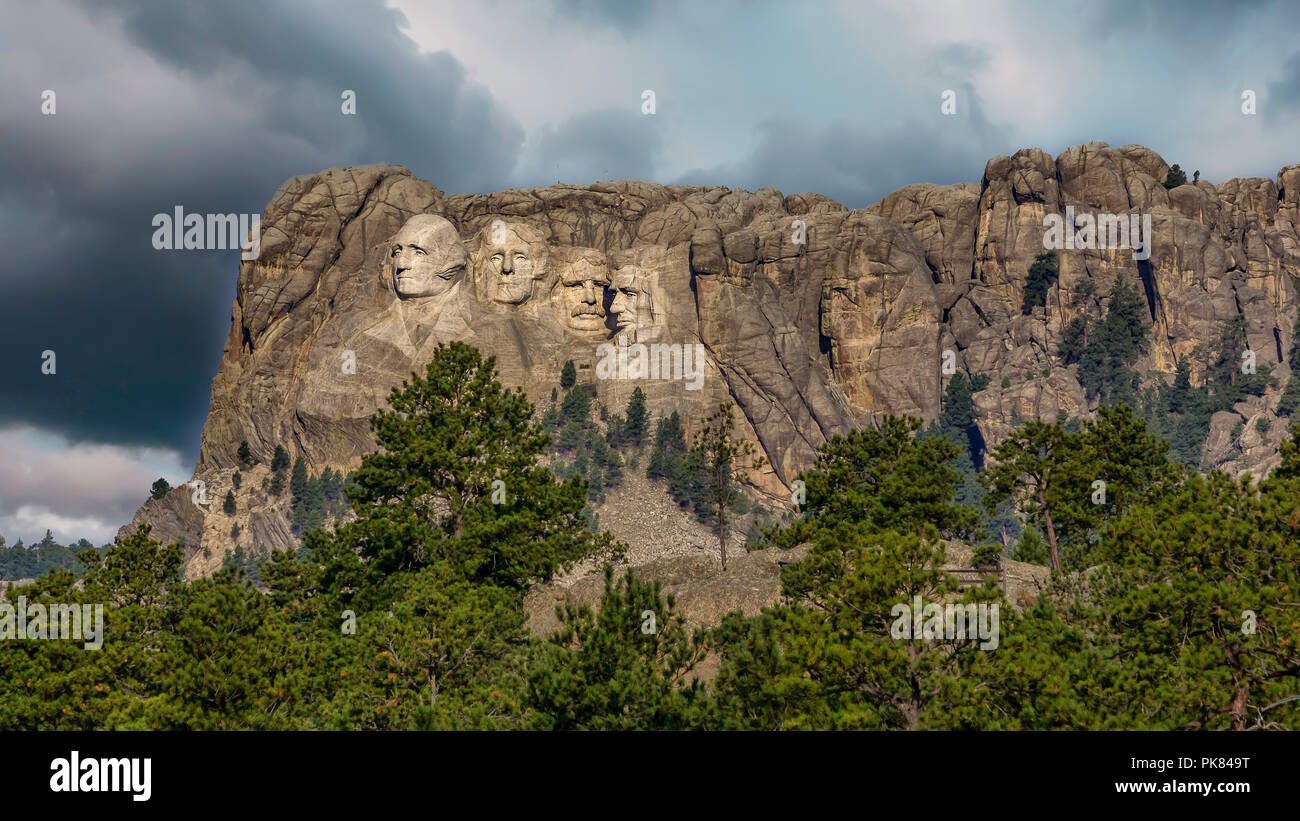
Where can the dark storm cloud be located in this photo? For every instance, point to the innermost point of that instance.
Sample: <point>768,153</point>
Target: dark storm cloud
<point>858,163</point>
<point>1178,20</point>
<point>1284,94</point>
<point>607,144</point>
<point>959,58</point>
<point>211,107</point>
<point>845,162</point>
<point>412,109</point>
<point>621,14</point>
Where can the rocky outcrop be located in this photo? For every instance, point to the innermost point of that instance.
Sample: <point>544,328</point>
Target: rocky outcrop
<point>810,317</point>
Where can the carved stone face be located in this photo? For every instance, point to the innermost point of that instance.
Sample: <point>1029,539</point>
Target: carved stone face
<point>582,294</point>
<point>627,299</point>
<point>638,301</point>
<point>512,260</point>
<point>427,257</point>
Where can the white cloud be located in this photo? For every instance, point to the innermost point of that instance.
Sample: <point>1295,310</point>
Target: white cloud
<point>77,490</point>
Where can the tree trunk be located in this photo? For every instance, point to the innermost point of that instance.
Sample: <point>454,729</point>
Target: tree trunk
<point>722,520</point>
<point>1051,531</point>
<point>722,535</point>
<point>1238,710</point>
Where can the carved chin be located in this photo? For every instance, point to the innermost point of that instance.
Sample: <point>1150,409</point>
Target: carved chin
<point>514,294</point>
<point>587,322</point>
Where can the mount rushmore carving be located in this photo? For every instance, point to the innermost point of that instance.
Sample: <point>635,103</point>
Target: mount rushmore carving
<point>811,318</point>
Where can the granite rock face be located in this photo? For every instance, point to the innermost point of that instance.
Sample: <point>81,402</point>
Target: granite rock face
<point>810,317</point>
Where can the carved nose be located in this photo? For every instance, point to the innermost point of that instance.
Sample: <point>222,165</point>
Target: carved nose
<point>588,292</point>
<point>507,266</point>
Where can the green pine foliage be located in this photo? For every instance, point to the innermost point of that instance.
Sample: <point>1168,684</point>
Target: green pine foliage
<point>624,666</point>
<point>1051,474</point>
<point>1182,411</point>
<point>1106,350</point>
<point>1043,273</point>
<point>315,498</point>
<point>159,489</point>
<point>669,460</point>
<point>580,448</point>
<point>1172,605</point>
<point>721,460</point>
<point>1176,176</point>
<point>636,424</point>
<point>17,561</point>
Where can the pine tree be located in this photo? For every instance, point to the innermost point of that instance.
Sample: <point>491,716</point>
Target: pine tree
<point>1042,276</point>
<point>1025,467</point>
<point>724,460</point>
<point>1195,645</point>
<point>228,506</point>
<point>159,489</point>
<point>622,667</point>
<point>637,420</point>
<point>832,656</point>
<point>448,436</point>
<point>298,480</point>
<point>576,408</point>
<point>569,375</point>
<point>1105,353</point>
<point>1052,475</point>
<point>1175,177</point>
<point>669,448</point>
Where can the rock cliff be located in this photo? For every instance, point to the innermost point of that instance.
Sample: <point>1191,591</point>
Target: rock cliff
<point>811,317</point>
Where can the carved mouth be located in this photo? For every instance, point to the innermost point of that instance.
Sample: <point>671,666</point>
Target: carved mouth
<point>405,273</point>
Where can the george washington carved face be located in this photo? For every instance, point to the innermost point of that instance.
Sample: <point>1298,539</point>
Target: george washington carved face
<point>427,257</point>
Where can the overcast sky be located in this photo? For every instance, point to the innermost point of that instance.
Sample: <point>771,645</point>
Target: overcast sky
<point>211,105</point>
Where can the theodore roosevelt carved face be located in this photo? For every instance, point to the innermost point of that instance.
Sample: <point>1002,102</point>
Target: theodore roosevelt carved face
<point>581,291</point>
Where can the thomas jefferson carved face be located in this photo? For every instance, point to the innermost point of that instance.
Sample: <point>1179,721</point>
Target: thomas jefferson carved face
<point>513,258</point>
<point>427,257</point>
<point>582,292</point>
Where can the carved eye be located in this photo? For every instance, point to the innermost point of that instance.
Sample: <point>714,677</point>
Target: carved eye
<point>521,256</point>
<point>397,249</point>
<point>497,257</point>
<point>417,249</point>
